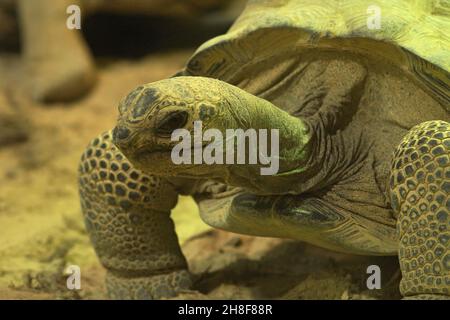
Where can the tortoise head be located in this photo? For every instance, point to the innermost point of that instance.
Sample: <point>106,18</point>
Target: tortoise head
<point>151,114</point>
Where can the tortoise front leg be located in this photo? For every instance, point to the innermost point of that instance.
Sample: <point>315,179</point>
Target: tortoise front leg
<point>420,196</point>
<point>127,217</point>
<point>59,64</point>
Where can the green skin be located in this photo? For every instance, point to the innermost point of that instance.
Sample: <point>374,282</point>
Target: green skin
<point>129,184</point>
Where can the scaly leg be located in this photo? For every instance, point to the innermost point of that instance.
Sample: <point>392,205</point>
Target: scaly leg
<point>420,196</point>
<point>127,217</point>
<point>59,64</point>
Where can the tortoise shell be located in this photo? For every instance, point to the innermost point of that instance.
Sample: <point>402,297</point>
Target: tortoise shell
<point>413,36</point>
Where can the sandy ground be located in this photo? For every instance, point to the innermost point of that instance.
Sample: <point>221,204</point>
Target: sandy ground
<point>41,229</point>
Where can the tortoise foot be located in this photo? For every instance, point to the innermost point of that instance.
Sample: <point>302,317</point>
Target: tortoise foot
<point>62,78</point>
<point>59,64</point>
<point>149,287</point>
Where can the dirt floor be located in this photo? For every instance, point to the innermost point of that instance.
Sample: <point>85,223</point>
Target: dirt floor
<point>41,229</point>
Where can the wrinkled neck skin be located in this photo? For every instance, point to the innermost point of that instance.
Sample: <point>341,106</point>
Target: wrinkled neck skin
<point>297,165</point>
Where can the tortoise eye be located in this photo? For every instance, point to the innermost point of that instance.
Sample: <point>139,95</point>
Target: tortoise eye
<point>174,120</point>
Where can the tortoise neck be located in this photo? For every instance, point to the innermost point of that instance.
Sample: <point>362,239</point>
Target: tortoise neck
<point>290,148</point>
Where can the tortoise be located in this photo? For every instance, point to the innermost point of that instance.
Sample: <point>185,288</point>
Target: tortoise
<point>364,142</point>
<point>65,72</point>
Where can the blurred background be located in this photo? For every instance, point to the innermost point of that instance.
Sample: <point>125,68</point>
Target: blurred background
<point>59,88</point>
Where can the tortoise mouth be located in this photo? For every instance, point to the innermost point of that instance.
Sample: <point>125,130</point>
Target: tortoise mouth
<point>152,150</point>
<point>160,162</point>
<point>145,153</point>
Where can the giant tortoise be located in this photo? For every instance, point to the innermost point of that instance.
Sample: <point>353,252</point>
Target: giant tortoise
<point>59,64</point>
<point>362,116</point>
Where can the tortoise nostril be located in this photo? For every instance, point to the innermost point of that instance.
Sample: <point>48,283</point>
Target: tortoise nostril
<point>120,133</point>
